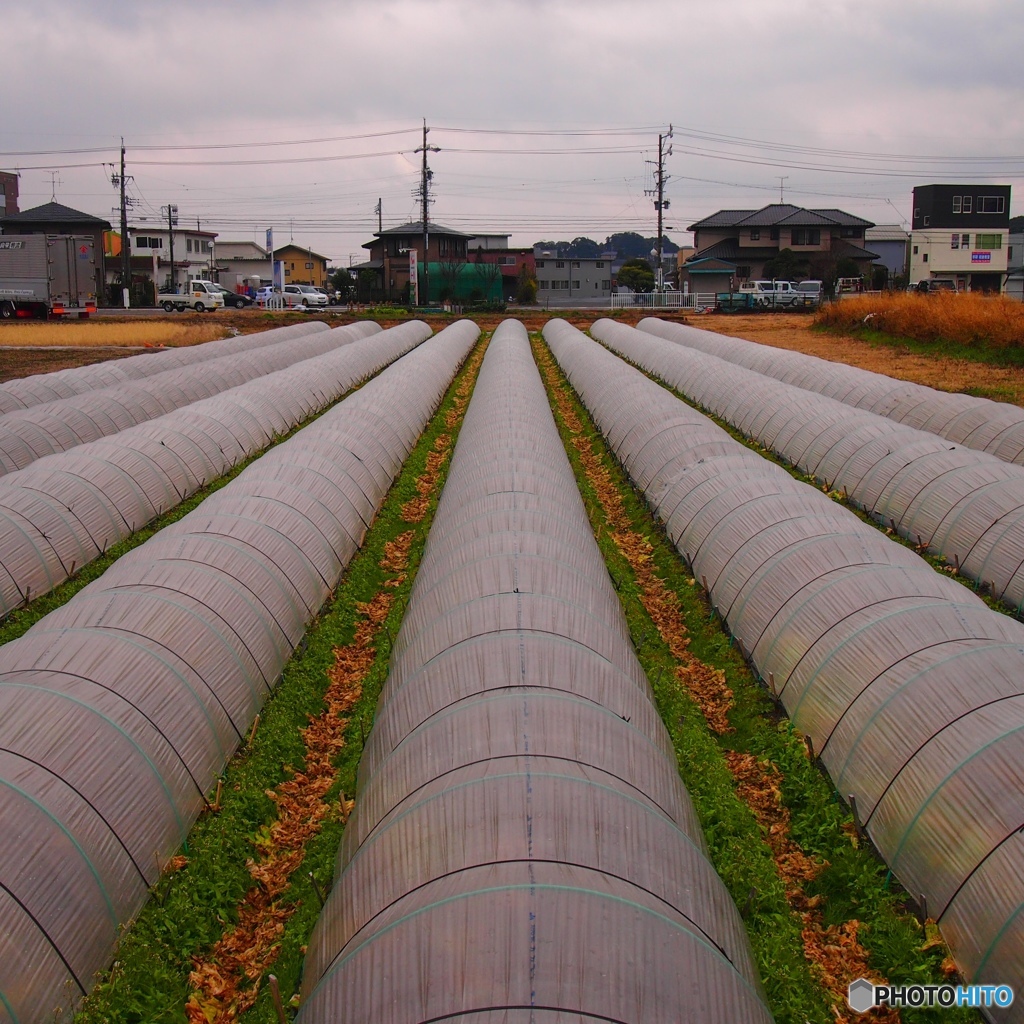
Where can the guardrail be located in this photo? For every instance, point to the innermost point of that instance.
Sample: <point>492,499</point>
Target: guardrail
<point>663,300</point>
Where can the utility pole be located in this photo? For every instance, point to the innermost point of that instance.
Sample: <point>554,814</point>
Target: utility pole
<point>172,220</point>
<point>660,202</point>
<point>426,174</point>
<point>126,262</point>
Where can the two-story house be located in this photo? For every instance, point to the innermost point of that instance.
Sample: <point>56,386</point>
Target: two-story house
<point>389,255</point>
<point>570,281</point>
<point>734,245</point>
<point>194,252</point>
<point>960,233</point>
<point>301,265</point>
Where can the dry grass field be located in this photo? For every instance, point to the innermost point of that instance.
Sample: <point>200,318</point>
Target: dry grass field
<point>973,320</point>
<point>940,371</point>
<point>110,334</point>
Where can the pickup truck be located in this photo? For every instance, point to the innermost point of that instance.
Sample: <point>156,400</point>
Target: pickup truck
<point>47,275</point>
<point>773,294</point>
<point>199,295</point>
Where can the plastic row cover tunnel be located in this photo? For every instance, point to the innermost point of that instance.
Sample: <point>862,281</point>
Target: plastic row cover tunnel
<point>58,426</point>
<point>994,427</point>
<point>522,848</point>
<point>909,686</point>
<point>964,504</point>
<point>118,711</point>
<point>65,510</point>
<point>51,387</point>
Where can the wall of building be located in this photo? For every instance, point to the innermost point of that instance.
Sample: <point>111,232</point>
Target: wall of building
<point>569,279</point>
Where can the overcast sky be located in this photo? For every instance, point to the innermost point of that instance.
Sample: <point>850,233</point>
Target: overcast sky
<point>545,111</point>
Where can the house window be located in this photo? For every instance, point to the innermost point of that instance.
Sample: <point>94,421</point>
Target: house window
<point>599,265</point>
<point>206,245</point>
<point>954,240</point>
<point>188,243</point>
<point>540,263</point>
<point>506,261</point>
<point>991,204</point>
<point>755,234</point>
<point>965,241</point>
<point>542,286</point>
<point>309,266</point>
<point>806,236</point>
<point>606,286</point>
<point>559,264</point>
<point>849,232</point>
<point>576,263</point>
<point>988,241</point>
<point>958,204</point>
<point>968,203</point>
<point>774,234</point>
<point>926,220</point>
<point>915,250</point>
<point>743,273</point>
<point>925,258</point>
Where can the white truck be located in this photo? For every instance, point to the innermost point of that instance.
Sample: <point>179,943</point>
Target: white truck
<point>47,275</point>
<point>198,295</point>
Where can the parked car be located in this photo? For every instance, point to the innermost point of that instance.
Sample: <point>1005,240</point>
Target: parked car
<point>811,291</point>
<point>303,295</point>
<point>236,299</point>
<point>935,285</point>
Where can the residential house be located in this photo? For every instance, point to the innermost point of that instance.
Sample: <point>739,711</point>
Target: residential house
<point>8,193</point>
<point>242,266</point>
<point>892,244</point>
<point>389,255</point>
<point>54,218</point>
<point>734,245</point>
<point>301,265</point>
<point>510,261</point>
<point>568,282</point>
<point>960,233</point>
<point>194,252</point>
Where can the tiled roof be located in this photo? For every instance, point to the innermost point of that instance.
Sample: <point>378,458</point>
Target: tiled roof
<point>780,213</point>
<point>415,227</point>
<point>54,213</point>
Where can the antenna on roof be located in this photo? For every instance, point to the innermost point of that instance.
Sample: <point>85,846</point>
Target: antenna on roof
<point>782,178</point>
<point>55,180</point>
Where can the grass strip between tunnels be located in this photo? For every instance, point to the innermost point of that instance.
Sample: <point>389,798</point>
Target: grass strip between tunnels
<point>241,900</point>
<point>817,902</point>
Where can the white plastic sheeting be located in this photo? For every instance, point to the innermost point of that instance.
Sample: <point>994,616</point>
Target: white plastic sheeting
<point>59,426</point>
<point>118,710</point>
<point>994,427</point>
<point>65,510</point>
<point>51,387</point>
<point>964,504</point>
<point>522,848</point>
<point>910,688</point>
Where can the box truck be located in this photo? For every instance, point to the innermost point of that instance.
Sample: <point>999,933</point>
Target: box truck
<point>47,275</point>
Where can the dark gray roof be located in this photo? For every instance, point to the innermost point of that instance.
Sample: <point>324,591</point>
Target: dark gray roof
<point>729,249</point>
<point>415,227</point>
<point>55,213</point>
<point>780,213</point>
